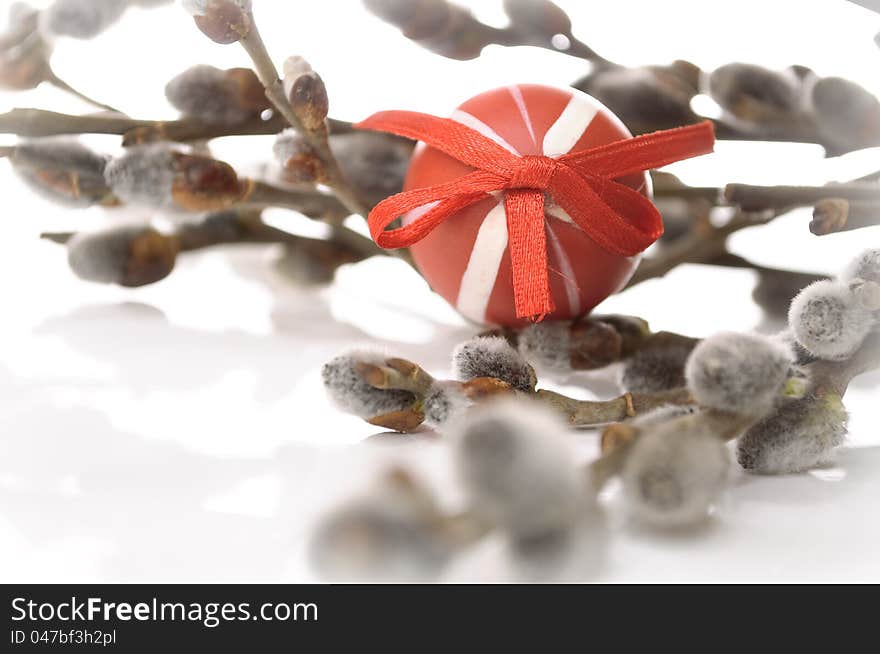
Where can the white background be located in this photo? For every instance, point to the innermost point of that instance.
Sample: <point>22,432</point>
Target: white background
<point>180,432</point>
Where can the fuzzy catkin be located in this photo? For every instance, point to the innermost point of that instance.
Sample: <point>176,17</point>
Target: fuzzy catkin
<point>802,356</point>
<point>801,434</point>
<point>82,19</point>
<point>846,114</point>
<point>59,154</point>
<point>641,97</point>
<point>144,176</point>
<point>655,369</point>
<point>827,320</point>
<point>384,535</point>
<point>444,402</point>
<point>207,93</point>
<point>102,256</point>
<point>31,158</point>
<point>865,266</point>
<point>547,344</point>
<point>518,470</point>
<point>742,373</point>
<point>353,395</point>
<point>288,144</point>
<point>493,356</point>
<point>675,472</point>
<point>730,84</point>
<point>374,163</point>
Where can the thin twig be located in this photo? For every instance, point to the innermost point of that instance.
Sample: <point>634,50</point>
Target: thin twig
<point>835,376</point>
<point>513,37</point>
<point>60,84</point>
<point>308,202</point>
<point>755,198</point>
<point>401,374</point>
<point>317,140</point>
<point>39,123</point>
<point>587,413</point>
<point>28,122</point>
<point>348,245</point>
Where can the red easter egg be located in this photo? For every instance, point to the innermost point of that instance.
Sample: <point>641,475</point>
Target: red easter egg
<point>466,259</point>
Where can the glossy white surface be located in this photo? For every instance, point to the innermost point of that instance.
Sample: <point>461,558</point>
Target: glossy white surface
<point>180,432</point>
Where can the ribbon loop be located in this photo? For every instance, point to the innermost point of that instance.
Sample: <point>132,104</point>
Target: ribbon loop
<point>618,218</point>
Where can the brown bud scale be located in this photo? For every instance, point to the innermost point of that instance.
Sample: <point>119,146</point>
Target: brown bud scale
<point>205,184</point>
<point>225,22</point>
<point>151,258</point>
<point>308,98</point>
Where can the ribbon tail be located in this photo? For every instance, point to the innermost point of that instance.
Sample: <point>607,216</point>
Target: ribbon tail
<point>644,152</point>
<point>528,253</point>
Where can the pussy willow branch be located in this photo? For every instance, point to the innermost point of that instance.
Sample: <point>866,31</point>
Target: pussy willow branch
<point>758,205</point>
<point>634,335</point>
<point>248,227</point>
<point>824,377</point>
<point>23,37</point>
<point>307,202</point>
<point>316,139</point>
<point>472,36</point>
<point>28,122</point>
<point>511,36</point>
<point>578,413</point>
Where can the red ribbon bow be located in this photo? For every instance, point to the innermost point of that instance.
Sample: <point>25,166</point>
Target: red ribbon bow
<point>618,218</point>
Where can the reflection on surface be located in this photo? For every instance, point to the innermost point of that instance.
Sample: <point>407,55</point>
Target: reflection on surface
<point>147,450</point>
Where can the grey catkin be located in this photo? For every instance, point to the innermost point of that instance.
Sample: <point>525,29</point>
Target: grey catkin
<point>801,434</point>
<point>444,402</point>
<point>518,470</point>
<point>493,356</point>
<point>353,395</point>
<point>741,373</point>
<point>547,344</point>
<point>143,176</point>
<point>655,369</point>
<point>675,472</point>
<point>102,256</point>
<point>205,92</point>
<point>828,321</point>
